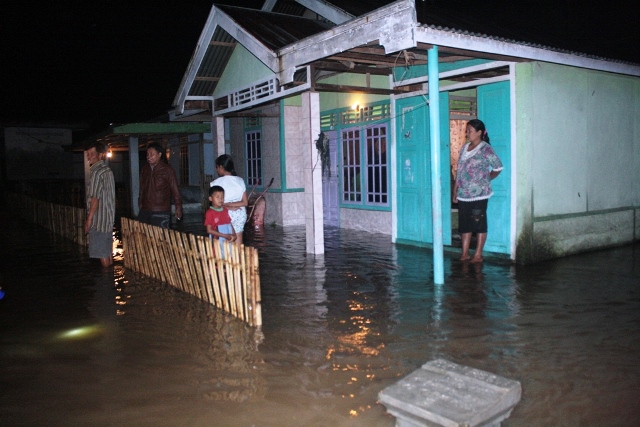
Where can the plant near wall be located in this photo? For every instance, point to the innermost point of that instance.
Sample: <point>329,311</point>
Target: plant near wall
<point>322,145</point>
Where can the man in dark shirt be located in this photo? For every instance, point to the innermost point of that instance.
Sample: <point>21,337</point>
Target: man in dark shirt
<point>158,184</point>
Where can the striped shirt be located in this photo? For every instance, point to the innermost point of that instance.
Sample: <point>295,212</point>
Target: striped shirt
<point>102,186</point>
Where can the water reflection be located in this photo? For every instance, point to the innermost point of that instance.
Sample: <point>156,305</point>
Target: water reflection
<point>338,328</point>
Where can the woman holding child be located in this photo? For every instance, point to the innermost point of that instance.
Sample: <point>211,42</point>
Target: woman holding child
<point>235,193</point>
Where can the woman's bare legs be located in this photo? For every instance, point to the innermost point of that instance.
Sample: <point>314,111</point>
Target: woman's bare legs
<point>466,241</point>
<point>477,256</point>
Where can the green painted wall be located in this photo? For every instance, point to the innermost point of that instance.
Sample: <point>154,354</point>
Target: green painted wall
<point>577,159</point>
<point>252,69</point>
<point>330,101</point>
<point>579,129</point>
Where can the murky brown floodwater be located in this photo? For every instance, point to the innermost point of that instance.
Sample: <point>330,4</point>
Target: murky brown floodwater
<point>80,346</point>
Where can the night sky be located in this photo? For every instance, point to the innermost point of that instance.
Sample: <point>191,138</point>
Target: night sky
<point>101,62</point>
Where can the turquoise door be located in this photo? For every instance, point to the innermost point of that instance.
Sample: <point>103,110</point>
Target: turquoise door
<point>413,157</point>
<point>495,111</point>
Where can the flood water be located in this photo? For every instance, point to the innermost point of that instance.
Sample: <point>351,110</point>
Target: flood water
<point>84,346</point>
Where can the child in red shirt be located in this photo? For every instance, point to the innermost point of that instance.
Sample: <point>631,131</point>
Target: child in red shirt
<point>217,219</point>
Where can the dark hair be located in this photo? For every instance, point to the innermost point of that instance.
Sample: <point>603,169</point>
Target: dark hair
<point>226,162</point>
<point>156,146</point>
<point>215,189</point>
<point>478,125</point>
<point>98,145</point>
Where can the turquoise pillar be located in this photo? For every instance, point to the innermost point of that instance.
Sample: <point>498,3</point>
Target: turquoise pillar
<point>436,178</point>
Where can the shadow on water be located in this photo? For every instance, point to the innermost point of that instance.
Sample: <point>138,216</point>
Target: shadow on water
<point>81,345</point>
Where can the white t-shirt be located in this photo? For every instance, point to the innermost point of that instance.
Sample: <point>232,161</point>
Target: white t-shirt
<point>234,187</point>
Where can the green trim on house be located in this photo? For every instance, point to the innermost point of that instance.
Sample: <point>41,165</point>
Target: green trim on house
<point>286,190</point>
<point>414,71</point>
<point>283,157</point>
<point>162,128</point>
<point>338,126</point>
<point>585,214</point>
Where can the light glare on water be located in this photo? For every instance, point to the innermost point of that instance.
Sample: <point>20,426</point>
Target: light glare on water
<point>338,328</point>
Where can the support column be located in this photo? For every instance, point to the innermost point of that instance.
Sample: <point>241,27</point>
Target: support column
<point>218,126</point>
<point>134,165</point>
<point>436,176</point>
<point>312,173</point>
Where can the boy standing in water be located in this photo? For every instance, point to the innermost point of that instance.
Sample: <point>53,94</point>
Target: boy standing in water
<point>217,219</point>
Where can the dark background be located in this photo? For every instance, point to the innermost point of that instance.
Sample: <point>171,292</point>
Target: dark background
<point>102,62</point>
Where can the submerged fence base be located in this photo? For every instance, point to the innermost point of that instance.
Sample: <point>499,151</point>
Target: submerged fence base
<point>223,274</point>
<point>65,221</point>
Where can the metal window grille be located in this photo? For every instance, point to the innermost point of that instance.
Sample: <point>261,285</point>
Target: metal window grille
<point>376,147</point>
<point>351,180</point>
<point>184,165</point>
<point>254,157</point>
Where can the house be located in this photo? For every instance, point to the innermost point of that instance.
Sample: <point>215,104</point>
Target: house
<point>339,107</point>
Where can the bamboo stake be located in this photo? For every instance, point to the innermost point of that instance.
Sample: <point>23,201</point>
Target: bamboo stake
<point>206,266</point>
<point>190,273</point>
<point>237,279</point>
<point>172,259</point>
<point>198,270</point>
<point>213,269</point>
<point>256,289</point>
<point>243,283</point>
<point>220,268</point>
<point>163,251</point>
<point>228,258</point>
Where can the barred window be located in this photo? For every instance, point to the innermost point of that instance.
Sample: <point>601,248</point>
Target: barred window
<point>184,165</point>
<point>254,157</point>
<point>368,154</point>
<point>351,165</point>
<point>376,143</point>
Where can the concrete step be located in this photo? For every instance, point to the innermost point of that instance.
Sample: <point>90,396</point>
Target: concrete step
<point>443,393</point>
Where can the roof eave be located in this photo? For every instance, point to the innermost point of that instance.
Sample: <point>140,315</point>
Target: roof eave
<point>327,11</point>
<point>452,39</point>
<point>218,18</point>
<point>392,27</point>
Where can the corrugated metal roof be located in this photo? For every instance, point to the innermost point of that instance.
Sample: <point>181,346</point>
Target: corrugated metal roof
<point>278,30</point>
<point>554,27</point>
<point>213,64</point>
<point>275,30</point>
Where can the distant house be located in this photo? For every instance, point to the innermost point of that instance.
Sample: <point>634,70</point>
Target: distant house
<point>278,83</point>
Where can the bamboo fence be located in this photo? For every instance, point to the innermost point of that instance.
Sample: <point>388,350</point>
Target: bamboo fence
<point>225,275</point>
<point>65,221</point>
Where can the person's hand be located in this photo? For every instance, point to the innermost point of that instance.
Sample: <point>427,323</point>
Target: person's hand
<point>178,213</point>
<point>87,225</point>
<point>454,199</point>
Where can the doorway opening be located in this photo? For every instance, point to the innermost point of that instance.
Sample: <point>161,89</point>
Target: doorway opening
<point>463,106</point>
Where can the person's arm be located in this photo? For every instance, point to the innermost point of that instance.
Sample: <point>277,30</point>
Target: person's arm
<point>212,230</point>
<point>233,236</point>
<point>239,204</point>
<point>494,173</point>
<point>177,197</point>
<point>454,198</point>
<point>93,208</point>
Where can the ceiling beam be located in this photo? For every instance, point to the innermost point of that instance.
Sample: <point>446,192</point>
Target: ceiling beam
<point>324,87</point>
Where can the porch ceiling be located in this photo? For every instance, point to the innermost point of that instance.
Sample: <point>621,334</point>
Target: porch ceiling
<point>117,137</point>
<point>371,59</point>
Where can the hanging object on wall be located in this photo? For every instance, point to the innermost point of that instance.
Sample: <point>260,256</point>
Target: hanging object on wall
<point>322,145</point>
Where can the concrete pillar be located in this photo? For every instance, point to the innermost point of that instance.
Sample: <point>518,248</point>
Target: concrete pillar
<point>312,173</point>
<point>218,127</point>
<point>134,162</point>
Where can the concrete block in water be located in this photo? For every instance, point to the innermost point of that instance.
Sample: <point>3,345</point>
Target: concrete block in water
<point>443,393</point>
